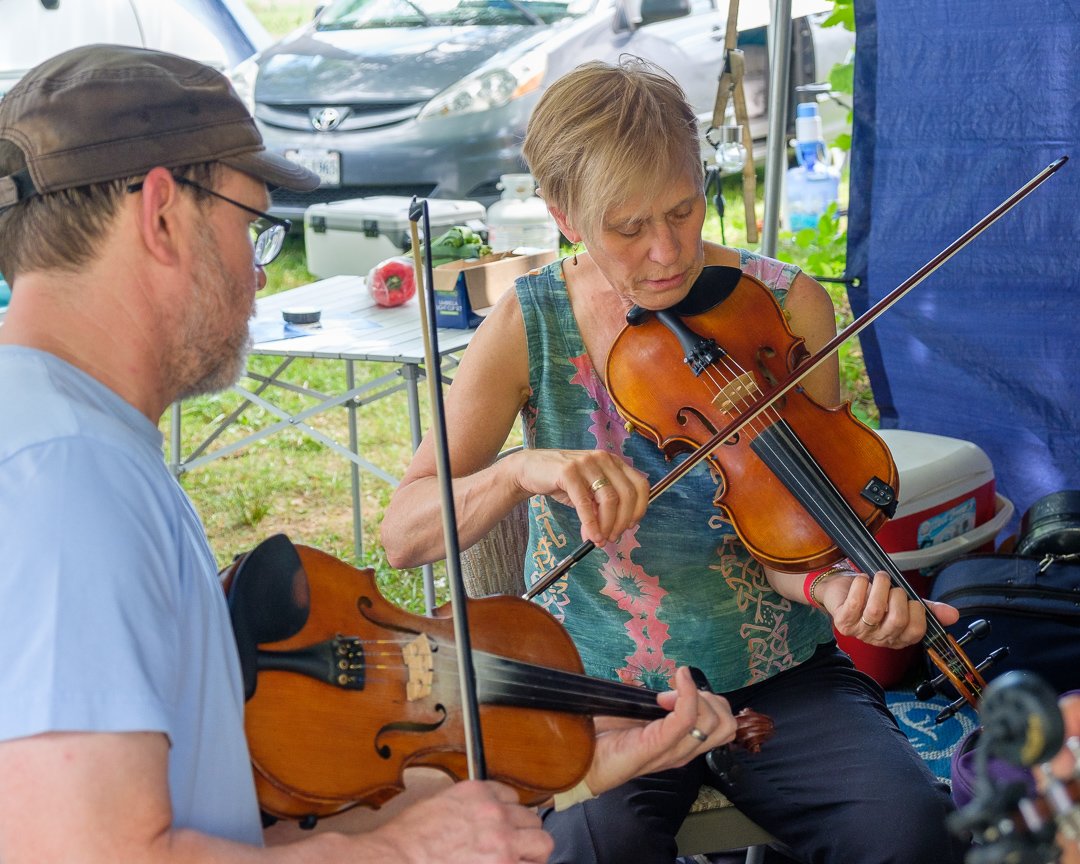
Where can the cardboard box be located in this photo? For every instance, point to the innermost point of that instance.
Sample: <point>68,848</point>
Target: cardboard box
<point>352,236</point>
<point>947,507</point>
<point>466,290</point>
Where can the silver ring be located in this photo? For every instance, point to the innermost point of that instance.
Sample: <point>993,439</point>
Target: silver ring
<point>697,733</point>
<point>599,483</point>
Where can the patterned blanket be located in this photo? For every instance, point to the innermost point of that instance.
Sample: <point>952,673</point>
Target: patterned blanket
<point>935,742</point>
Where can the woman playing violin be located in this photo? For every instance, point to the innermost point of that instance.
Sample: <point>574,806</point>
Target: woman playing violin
<point>615,150</point>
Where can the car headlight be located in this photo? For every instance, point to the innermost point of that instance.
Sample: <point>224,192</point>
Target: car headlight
<point>243,76</point>
<point>489,88</point>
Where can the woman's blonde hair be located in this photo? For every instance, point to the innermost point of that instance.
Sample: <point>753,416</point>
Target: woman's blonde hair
<point>604,133</point>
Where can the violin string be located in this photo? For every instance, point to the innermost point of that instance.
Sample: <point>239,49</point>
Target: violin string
<point>559,679</point>
<point>524,682</point>
<point>770,418</point>
<point>403,641</point>
<point>936,634</point>
<point>595,695</point>
<point>525,691</point>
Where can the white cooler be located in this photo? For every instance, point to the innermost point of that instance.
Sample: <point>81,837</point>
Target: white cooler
<point>350,237</point>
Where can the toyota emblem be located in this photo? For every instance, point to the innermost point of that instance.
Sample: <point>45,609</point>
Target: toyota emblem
<point>327,119</point>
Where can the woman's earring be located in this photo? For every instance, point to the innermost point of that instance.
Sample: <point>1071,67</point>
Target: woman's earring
<point>576,245</point>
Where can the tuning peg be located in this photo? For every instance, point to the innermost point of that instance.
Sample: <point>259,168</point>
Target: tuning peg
<point>977,629</point>
<point>927,689</point>
<point>948,711</point>
<point>993,657</point>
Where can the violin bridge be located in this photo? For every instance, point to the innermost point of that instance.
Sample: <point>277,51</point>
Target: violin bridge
<point>742,389</point>
<point>421,665</point>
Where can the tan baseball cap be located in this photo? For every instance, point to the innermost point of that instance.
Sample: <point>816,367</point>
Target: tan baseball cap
<point>105,112</point>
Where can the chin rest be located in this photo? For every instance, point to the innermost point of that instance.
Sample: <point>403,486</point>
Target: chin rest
<point>269,600</point>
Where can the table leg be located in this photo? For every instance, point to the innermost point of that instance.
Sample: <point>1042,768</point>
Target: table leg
<point>411,373</point>
<point>354,468</point>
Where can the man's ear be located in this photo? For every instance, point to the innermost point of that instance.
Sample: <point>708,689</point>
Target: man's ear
<point>159,216</point>
<point>564,226</point>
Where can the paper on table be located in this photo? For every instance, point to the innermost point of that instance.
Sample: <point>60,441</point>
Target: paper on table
<point>273,331</point>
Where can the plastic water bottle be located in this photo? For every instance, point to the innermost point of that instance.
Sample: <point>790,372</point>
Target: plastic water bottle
<point>813,184</point>
<point>520,218</point>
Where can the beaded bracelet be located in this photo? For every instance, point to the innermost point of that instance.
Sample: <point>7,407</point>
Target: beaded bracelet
<point>815,577</point>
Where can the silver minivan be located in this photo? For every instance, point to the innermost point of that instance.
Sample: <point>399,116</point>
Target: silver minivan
<point>432,97</point>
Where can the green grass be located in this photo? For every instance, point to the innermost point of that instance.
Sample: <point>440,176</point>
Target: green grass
<point>282,16</point>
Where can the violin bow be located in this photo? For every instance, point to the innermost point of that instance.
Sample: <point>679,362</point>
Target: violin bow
<point>770,396</point>
<point>470,710</point>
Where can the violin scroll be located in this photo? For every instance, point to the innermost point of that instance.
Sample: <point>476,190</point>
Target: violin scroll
<point>752,730</point>
<point>968,682</point>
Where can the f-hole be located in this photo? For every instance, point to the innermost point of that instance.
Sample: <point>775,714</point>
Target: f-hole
<point>684,420</point>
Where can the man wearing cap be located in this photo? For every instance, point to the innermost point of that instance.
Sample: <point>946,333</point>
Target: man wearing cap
<point>132,185</point>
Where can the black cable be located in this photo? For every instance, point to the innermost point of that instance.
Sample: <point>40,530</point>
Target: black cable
<point>712,180</point>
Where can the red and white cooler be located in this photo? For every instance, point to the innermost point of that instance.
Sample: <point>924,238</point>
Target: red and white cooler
<point>948,507</point>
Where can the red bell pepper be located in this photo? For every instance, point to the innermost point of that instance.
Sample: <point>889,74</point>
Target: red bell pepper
<point>392,282</point>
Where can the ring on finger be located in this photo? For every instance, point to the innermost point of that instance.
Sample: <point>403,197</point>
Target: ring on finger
<point>599,483</point>
<point>698,734</point>
<point>868,624</point>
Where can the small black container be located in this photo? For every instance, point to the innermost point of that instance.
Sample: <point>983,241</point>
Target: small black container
<point>302,315</point>
<point>1051,526</point>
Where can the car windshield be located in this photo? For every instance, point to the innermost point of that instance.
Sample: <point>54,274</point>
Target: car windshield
<point>371,14</point>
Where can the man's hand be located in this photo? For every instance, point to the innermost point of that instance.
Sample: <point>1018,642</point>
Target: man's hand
<point>472,822</point>
<point>626,749</point>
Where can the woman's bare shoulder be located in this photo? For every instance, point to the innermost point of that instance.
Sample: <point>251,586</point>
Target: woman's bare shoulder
<point>721,256</point>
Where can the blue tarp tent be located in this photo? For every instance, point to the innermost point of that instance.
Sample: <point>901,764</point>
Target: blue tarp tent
<point>957,104</point>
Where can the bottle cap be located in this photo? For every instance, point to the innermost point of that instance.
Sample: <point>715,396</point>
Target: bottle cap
<point>808,122</point>
<point>519,186</point>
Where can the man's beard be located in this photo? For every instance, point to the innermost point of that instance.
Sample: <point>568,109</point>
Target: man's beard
<point>211,360</point>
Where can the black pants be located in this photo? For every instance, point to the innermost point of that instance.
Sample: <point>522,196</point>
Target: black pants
<point>838,782</point>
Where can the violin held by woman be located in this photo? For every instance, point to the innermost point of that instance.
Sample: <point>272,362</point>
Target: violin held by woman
<point>616,154</point>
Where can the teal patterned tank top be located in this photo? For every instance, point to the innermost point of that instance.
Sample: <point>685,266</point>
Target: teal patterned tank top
<point>680,589</point>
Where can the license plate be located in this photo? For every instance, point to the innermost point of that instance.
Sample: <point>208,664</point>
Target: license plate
<point>325,163</point>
